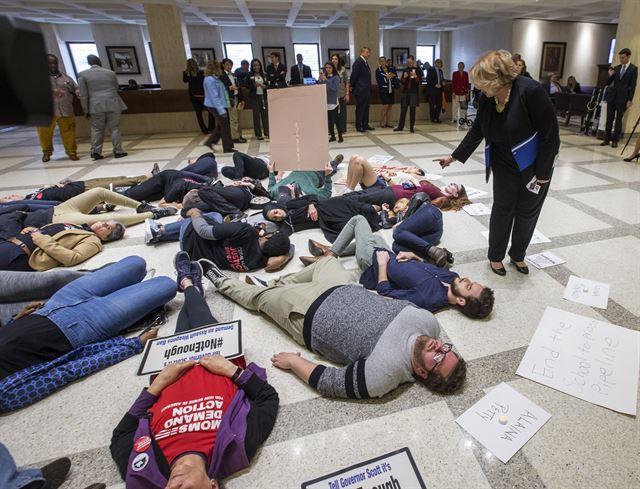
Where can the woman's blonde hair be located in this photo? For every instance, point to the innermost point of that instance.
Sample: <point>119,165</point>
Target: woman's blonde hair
<point>213,68</point>
<point>494,70</point>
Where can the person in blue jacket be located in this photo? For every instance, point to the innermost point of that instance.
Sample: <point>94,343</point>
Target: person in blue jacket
<point>216,101</point>
<point>330,77</point>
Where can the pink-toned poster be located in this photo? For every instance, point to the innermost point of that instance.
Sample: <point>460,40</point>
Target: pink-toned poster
<point>298,127</point>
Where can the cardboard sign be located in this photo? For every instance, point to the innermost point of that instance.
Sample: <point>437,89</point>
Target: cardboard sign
<point>586,358</point>
<point>503,421</point>
<point>298,127</point>
<point>393,469</point>
<point>215,339</point>
<point>587,292</point>
<point>545,259</point>
<point>478,209</point>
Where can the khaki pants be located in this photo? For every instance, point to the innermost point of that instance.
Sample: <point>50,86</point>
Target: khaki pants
<point>76,210</point>
<point>67,128</point>
<point>288,298</point>
<point>455,106</point>
<point>107,182</point>
<point>234,120</point>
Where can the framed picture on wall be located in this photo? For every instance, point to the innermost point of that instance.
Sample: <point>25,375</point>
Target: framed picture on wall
<point>343,54</point>
<point>203,56</point>
<point>266,55</point>
<point>399,57</point>
<point>553,55</point>
<point>123,60</point>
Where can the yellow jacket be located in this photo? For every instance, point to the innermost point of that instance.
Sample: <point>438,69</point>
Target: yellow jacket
<point>67,248</point>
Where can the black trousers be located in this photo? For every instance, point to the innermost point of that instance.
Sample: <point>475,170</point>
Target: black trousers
<point>260,114</point>
<point>614,112</point>
<point>195,312</point>
<point>343,112</point>
<point>246,166</point>
<point>334,121</point>
<point>222,130</point>
<point>225,200</point>
<point>435,103</point>
<point>198,107</point>
<point>373,196</point>
<point>404,103</point>
<point>362,111</point>
<point>514,214</point>
<point>152,188</point>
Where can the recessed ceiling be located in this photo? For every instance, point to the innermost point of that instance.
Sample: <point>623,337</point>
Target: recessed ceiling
<point>436,15</point>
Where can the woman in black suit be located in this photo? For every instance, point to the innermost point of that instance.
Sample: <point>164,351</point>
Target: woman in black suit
<point>258,95</point>
<point>517,120</point>
<point>194,76</point>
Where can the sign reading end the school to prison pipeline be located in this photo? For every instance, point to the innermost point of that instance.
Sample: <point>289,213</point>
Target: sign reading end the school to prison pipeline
<point>216,339</point>
<point>586,358</point>
<point>393,470</point>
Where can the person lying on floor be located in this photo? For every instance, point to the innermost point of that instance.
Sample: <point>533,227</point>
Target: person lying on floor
<point>235,245</point>
<point>55,245</point>
<point>254,167</point>
<point>298,183</point>
<point>77,210</point>
<point>405,276</point>
<point>29,290</point>
<point>310,212</point>
<point>76,332</point>
<point>382,343</point>
<point>154,447</point>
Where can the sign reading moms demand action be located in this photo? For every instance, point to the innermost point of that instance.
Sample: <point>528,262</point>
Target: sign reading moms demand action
<point>216,339</point>
<point>396,470</point>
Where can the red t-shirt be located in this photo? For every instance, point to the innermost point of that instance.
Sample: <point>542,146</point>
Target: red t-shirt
<point>399,192</point>
<point>187,415</point>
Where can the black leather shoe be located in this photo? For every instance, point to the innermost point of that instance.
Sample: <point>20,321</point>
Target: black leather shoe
<point>498,271</point>
<point>96,156</point>
<point>524,270</point>
<point>614,144</point>
<point>120,155</point>
<point>318,249</point>
<point>56,472</point>
<point>397,129</point>
<point>604,143</point>
<point>369,128</point>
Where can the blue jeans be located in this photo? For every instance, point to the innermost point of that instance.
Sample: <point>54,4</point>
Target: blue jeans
<point>11,477</point>
<point>419,231</point>
<point>101,304</point>
<point>174,231</point>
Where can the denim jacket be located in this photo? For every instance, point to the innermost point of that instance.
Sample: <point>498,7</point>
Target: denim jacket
<point>216,95</point>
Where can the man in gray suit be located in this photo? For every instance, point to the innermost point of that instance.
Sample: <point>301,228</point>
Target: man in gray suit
<point>101,102</point>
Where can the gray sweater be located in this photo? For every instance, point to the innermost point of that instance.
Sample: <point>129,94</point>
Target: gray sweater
<point>374,340</point>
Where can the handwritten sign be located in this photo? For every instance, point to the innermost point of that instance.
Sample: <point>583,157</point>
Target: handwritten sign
<point>432,176</point>
<point>215,339</point>
<point>379,159</point>
<point>478,209</point>
<point>537,237</point>
<point>545,259</point>
<point>586,358</point>
<point>474,193</point>
<point>503,421</point>
<point>395,469</point>
<point>587,292</point>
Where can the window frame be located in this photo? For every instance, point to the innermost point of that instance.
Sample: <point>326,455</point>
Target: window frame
<point>226,54</point>
<point>433,58</point>
<point>317,45</point>
<point>73,61</point>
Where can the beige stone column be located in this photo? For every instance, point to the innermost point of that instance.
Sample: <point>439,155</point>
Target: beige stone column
<point>628,36</point>
<point>169,42</point>
<point>364,31</point>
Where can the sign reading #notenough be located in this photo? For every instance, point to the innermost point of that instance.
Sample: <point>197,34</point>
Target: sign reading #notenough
<point>395,470</point>
<point>215,339</point>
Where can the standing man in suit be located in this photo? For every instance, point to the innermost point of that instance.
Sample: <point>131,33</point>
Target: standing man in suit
<point>435,82</point>
<point>230,83</point>
<point>276,72</point>
<point>619,96</point>
<point>102,104</point>
<point>299,72</point>
<point>360,82</point>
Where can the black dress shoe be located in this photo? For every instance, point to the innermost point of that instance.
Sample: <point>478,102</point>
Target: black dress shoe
<point>56,472</point>
<point>332,139</point>
<point>604,143</point>
<point>498,271</point>
<point>412,130</point>
<point>397,129</point>
<point>369,128</point>
<point>318,249</point>
<point>120,155</point>
<point>360,130</point>
<point>614,144</point>
<point>524,270</point>
<point>96,156</point>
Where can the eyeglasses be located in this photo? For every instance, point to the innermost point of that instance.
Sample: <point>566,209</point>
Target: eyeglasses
<point>439,356</point>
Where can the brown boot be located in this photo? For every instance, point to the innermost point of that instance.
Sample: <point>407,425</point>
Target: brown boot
<point>308,260</point>
<point>318,249</point>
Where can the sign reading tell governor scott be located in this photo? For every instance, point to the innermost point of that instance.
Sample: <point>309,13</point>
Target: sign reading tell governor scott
<point>216,339</point>
<point>395,470</point>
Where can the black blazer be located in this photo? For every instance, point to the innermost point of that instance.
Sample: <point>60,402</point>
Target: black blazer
<point>276,76</point>
<point>227,81</point>
<point>530,110</point>
<point>360,78</point>
<point>624,88</point>
<point>252,86</point>
<point>432,77</point>
<point>297,78</point>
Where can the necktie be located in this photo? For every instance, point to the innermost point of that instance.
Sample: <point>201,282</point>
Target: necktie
<point>624,67</point>
<point>439,76</point>
<point>300,70</point>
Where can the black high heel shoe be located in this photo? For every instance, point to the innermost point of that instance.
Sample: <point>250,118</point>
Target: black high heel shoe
<point>498,271</point>
<point>631,158</point>
<point>524,270</point>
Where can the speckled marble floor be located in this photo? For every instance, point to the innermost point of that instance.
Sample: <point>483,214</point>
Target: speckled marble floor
<point>591,216</point>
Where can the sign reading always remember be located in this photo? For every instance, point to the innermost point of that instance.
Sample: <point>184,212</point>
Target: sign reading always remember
<point>586,358</point>
<point>395,470</point>
<point>298,127</point>
<point>216,339</point>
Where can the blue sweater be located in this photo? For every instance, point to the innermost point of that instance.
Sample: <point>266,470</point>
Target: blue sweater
<point>332,89</point>
<point>216,95</point>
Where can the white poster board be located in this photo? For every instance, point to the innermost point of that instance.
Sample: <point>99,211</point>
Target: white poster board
<point>217,339</point>
<point>478,209</point>
<point>298,127</point>
<point>379,159</point>
<point>394,469</point>
<point>587,292</point>
<point>474,193</point>
<point>586,358</point>
<point>545,259</point>
<point>503,421</point>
